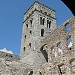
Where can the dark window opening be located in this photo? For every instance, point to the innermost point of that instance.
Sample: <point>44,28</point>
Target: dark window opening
<point>42,32</point>
<point>67,27</point>
<point>31,22</point>
<point>41,11</point>
<point>31,73</point>
<point>27,25</point>
<point>24,48</point>
<point>44,52</point>
<point>25,36</point>
<point>30,32</point>
<point>42,20</point>
<point>40,73</point>
<point>30,45</point>
<point>45,13</point>
<point>48,24</point>
<point>11,56</point>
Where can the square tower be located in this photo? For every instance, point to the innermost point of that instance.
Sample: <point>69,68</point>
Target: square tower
<point>39,21</point>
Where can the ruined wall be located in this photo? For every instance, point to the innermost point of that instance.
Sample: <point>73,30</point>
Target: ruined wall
<point>62,58</point>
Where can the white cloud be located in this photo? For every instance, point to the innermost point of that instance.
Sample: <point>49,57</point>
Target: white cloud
<point>70,44</point>
<point>6,51</point>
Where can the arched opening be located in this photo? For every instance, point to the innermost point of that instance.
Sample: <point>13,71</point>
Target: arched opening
<point>31,22</point>
<point>42,32</point>
<point>30,32</point>
<point>24,48</point>
<point>30,73</point>
<point>30,44</point>
<point>44,52</point>
<point>48,24</point>
<point>26,25</point>
<point>25,36</point>
<point>67,27</point>
<point>59,49</point>
<point>42,20</point>
<point>69,42</point>
<point>62,69</point>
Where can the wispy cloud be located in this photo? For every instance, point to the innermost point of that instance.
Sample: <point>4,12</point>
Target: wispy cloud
<point>7,51</point>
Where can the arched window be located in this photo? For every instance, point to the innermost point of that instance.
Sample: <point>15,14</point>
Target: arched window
<point>42,32</point>
<point>31,22</point>
<point>24,48</point>
<point>30,44</point>
<point>30,32</point>
<point>25,36</point>
<point>48,24</point>
<point>67,27</point>
<point>42,20</point>
<point>27,25</point>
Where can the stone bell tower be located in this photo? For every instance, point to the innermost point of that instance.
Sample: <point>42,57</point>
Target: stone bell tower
<point>39,21</point>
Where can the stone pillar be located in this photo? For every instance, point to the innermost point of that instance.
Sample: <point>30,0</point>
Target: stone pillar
<point>64,46</point>
<point>72,29</point>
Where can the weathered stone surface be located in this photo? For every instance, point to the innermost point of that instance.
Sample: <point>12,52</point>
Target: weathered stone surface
<point>44,48</point>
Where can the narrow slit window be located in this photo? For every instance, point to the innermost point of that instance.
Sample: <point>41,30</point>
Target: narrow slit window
<point>30,32</point>
<point>42,32</point>
<point>42,20</point>
<point>30,45</point>
<point>24,48</point>
<point>25,36</point>
<point>27,25</point>
<point>48,24</point>
<point>31,22</point>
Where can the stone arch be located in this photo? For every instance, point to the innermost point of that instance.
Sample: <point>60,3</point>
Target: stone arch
<point>67,27</point>
<point>62,69</point>
<point>72,65</point>
<point>44,52</point>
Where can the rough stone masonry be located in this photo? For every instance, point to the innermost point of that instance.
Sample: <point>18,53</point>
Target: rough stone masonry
<point>45,49</point>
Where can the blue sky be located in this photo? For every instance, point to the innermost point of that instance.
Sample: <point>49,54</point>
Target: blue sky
<point>11,18</point>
